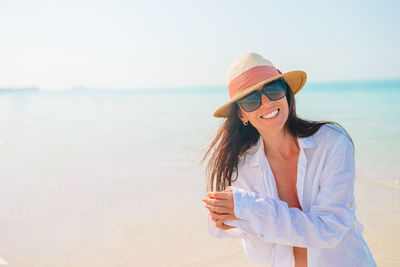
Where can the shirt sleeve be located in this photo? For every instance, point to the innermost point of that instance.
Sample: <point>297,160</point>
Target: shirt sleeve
<point>242,229</point>
<point>327,221</point>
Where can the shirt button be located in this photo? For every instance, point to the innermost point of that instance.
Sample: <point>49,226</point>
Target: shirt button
<point>261,235</point>
<point>351,206</point>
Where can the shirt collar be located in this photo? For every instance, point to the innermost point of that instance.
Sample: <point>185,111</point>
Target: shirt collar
<point>306,142</point>
<point>257,150</point>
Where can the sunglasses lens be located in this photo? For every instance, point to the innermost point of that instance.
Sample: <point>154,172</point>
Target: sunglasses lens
<point>275,90</point>
<point>251,102</point>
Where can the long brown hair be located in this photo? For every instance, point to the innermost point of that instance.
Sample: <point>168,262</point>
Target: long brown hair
<point>233,139</point>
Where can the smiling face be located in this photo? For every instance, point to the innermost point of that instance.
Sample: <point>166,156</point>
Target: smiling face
<point>270,117</point>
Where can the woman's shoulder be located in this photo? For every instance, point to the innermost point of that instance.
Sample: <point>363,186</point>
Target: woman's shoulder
<point>330,129</point>
<point>330,134</point>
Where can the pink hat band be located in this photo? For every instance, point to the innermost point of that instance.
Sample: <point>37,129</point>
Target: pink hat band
<point>250,77</point>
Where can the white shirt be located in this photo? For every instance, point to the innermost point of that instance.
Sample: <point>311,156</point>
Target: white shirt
<point>327,225</point>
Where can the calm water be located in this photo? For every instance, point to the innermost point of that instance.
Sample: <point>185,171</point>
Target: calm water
<point>76,163</point>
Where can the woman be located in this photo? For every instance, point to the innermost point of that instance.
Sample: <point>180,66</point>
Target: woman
<point>284,185</point>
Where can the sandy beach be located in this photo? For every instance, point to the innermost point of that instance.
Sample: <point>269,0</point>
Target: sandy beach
<point>378,210</point>
<point>185,242</point>
<point>180,238</point>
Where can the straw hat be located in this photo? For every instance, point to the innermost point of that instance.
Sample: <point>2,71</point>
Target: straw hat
<point>249,73</point>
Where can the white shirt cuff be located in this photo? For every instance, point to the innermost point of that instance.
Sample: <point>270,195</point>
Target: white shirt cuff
<point>243,202</point>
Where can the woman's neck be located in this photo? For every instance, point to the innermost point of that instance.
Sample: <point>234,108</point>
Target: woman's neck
<point>281,144</point>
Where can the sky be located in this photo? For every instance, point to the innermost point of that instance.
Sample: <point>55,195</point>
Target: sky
<point>58,45</point>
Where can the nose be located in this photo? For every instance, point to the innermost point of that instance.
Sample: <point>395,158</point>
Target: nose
<point>265,101</point>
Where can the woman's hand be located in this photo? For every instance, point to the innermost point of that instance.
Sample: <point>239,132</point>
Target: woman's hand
<point>221,207</point>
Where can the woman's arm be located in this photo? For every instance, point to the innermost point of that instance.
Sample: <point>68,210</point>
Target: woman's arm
<point>328,219</point>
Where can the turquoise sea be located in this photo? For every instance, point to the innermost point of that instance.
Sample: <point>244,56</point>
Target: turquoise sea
<point>76,163</point>
<point>164,127</point>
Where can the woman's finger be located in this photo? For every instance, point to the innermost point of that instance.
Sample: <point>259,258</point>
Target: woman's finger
<point>219,209</point>
<point>223,226</point>
<point>217,202</point>
<point>222,217</point>
<point>220,195</point>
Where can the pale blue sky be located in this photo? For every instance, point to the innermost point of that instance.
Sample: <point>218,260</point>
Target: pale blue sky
<point>136,44</point>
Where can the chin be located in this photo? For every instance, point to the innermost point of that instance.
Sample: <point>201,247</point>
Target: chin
<point>271,128</point>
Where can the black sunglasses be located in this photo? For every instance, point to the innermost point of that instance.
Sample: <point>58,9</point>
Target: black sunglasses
<point>274,90</point>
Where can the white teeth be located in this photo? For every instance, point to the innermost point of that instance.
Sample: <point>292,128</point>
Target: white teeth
<point>270,115</point>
